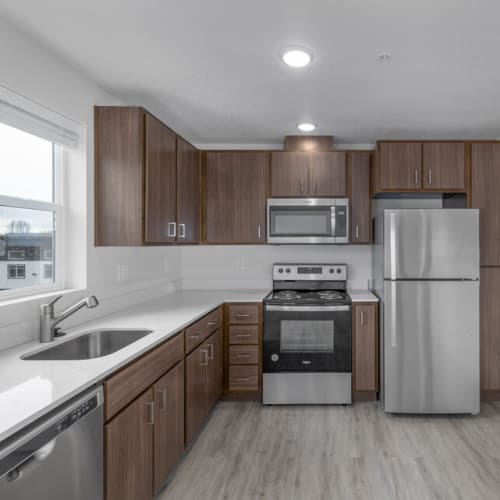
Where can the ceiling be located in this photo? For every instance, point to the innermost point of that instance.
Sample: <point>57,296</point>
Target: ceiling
<point>211,68</point>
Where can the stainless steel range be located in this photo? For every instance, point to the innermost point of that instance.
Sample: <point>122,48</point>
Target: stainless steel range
<point>307,336</point>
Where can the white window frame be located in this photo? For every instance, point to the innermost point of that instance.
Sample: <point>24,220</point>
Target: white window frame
<point>16,266</point>
<point>59,230</point>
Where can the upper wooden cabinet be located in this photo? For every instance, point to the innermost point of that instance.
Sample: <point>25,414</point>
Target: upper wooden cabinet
<point>161,182</point>
<point>485,195</point>
<point>146,181</point>
<point>235,197</point>
<point>308,174</point>
<point>188,192</point>
<point>417,166</point>
<point>361,224</point>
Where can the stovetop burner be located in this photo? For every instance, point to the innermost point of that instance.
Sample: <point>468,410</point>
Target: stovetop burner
<point>330,294</point>
<point>287,295</point>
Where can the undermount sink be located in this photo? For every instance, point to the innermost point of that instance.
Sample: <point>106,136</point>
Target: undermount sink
<point>90,345</point>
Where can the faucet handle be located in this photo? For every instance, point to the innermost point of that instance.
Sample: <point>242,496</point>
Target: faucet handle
<point>52,302</point>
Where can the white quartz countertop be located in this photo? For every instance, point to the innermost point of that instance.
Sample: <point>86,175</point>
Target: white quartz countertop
<point>362,296</point>
<point>29,389</point>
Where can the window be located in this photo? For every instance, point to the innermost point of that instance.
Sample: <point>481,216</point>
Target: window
<point>47,271</point>
<point>30,208</point>
<point>16,271</point>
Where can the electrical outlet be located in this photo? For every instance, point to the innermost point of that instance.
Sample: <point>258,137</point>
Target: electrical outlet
<point>122,272</point>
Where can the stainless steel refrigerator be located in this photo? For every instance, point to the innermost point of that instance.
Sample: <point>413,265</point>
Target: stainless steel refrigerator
<point>426,264</point>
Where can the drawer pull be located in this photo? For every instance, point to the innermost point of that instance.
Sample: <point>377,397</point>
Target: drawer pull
<point>211,351</point>
<point>212,323</point>
<point>151,412</point>
<point>243,379</point>
<point>243,335</point>
<point>242,315</point>
<point>194,335</point>
<point>242,355</point>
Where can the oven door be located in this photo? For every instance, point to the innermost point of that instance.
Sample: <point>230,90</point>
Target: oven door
<point>307,339</point>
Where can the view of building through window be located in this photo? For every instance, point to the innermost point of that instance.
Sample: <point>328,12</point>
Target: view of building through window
<point>28,210</point>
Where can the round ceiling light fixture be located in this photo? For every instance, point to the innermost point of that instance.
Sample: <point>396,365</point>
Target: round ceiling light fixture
<point>306,126</point>
<point>296,57</point>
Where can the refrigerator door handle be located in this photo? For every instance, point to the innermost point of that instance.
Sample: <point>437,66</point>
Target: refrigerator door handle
<point>394,308</point>
<point>393,245</point>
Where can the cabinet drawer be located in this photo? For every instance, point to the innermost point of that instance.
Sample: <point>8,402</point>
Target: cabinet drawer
<point>243,314</point>
<point>244,378</point>
<point>248,334</point>
<point>243,355</point>
<point>135,378</point>
<point>199,331</point>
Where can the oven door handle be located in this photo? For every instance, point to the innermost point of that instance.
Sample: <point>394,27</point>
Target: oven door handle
<point>307,308</point>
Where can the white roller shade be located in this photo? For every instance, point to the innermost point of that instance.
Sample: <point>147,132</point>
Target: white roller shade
<point>32,117</point>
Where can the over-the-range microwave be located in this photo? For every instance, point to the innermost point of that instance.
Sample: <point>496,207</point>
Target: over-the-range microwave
<point>307,220</point>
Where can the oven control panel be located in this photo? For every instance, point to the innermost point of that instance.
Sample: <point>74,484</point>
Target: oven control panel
<point>316,272</point>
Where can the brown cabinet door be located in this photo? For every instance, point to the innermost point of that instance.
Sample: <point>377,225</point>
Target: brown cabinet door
<point>443,166</point>
<point>490,332</point>
<point>327,174</point>
<point>129,451</point>
<point>360,198</point>
<point>118,176</point>
<point>213,380</point>
<point>290,174</point>
<point>365,347</point>
<point>236,197</point>
<point>400,166</point>
<point>188,193</point>
<point>486,196</point>
<point>161,185</point>
<point>169,422</point>
<point>196,390</point>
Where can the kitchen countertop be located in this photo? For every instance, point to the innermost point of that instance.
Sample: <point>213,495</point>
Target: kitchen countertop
<point>362,296</point>
<point>30,389</point>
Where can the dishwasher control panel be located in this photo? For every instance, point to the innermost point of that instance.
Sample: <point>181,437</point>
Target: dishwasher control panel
<point>77,414</point>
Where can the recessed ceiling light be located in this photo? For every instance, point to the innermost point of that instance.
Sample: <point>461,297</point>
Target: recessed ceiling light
<point>306,127</point>
<point>297,57</point>
<point>384,57</point>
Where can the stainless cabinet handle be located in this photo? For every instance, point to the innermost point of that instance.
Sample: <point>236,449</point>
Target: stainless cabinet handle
<point>212,323</point>
<point>242,355</point>
<point>362,317</point>
<point>357,232</point>
<point>151,412</point>
<point>416,177</point>
<point>259,232</point>
<point>243,380</point>
<point>182,230</point>
<point>242,315</point>
<point>194,335</point>
<point>163,395</point>
<point>204,352</point>
<point>243,335</point>
<point>172,229</point>
<point>430,177</point>
<point>210,351</point>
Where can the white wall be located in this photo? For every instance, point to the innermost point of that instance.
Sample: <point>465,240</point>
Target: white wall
<point>40,75</point>
<point>250,266</point>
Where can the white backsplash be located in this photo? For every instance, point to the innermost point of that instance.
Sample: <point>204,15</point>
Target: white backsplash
<point>250,266</point>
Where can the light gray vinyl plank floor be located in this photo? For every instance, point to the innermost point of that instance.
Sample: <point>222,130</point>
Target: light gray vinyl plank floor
<point>248,451</point>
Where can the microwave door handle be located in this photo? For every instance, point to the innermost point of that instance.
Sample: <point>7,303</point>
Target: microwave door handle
<point>333,221</point>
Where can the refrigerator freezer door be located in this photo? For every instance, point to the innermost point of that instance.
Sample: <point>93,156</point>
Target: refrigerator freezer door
<point>431,244</point>
<point>431,347</point>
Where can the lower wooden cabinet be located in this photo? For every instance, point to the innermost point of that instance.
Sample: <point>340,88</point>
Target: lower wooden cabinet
<point>203,382</point>
<point>365,366</point>
<point>168,423</point>
<point>129,451</point>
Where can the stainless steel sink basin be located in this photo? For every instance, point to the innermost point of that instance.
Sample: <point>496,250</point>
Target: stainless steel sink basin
<point>90,345</point>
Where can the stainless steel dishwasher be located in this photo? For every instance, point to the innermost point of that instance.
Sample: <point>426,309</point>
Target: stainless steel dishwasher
<point>59,457</point>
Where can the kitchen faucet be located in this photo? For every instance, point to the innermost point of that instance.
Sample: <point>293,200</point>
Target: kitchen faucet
<point>48,320</point>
